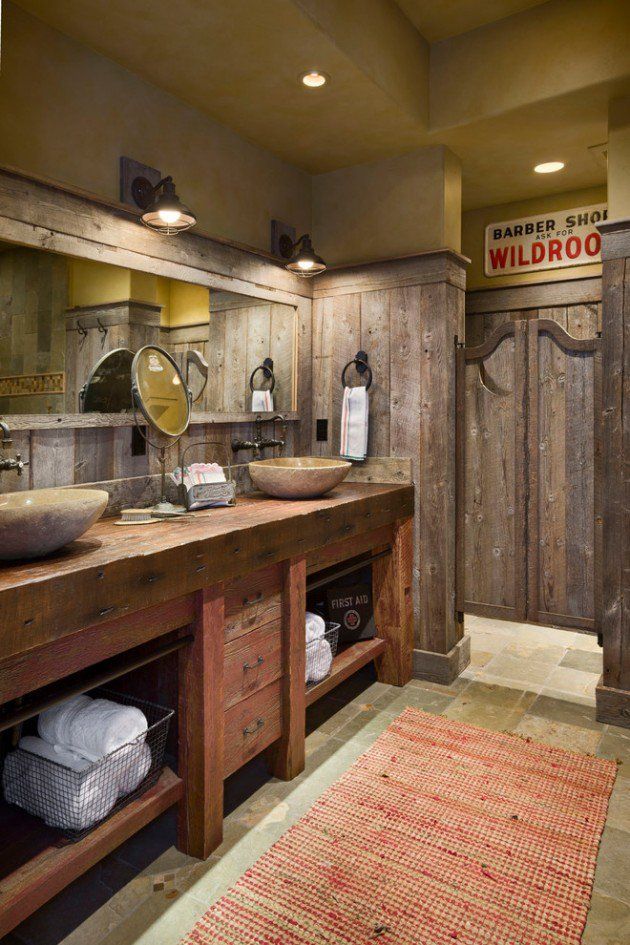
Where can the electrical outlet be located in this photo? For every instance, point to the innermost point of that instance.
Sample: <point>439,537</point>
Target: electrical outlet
<point>322,431</point>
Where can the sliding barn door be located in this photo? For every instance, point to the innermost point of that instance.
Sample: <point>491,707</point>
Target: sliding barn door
<point>528,484</point>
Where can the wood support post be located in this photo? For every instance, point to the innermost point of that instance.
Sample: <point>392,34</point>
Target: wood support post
<point>200,826</point>
<point>393,609</point>
<point>613,692</point>
<point>287,756</point>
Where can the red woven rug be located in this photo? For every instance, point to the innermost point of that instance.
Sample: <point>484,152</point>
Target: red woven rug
<point>440,832</point>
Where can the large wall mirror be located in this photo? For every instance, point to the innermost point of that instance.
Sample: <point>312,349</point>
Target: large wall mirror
<point>69,328</point>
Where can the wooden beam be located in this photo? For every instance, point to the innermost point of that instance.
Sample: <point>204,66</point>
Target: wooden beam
<point>393,611</point>
<point>288,753</point>
<point>200,823</point>
<point>539,295</point>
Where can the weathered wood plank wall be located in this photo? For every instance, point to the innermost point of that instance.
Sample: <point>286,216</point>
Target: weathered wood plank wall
<point>406,315</point>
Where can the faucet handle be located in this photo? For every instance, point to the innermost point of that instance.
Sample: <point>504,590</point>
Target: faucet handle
<point>20,463</point>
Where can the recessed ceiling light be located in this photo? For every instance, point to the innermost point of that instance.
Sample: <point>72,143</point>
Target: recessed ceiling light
<point>314,79</point>
<point>550,167</point>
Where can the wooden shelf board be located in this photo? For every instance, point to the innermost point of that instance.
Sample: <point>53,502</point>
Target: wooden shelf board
<point>347,661</point>
<point>51,867</point>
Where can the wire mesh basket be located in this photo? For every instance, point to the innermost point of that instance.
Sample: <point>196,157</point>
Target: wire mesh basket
<point>320,654</point>
<point>75,802</point>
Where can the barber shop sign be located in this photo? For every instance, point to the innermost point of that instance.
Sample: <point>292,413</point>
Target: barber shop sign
<point>549,241</point>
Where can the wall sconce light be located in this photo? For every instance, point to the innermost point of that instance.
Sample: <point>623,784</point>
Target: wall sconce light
<point>163,210</point>
<point>303,260</point>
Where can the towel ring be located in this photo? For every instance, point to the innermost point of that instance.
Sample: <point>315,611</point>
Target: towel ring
<point>267,368</point>
<point>361,361</point>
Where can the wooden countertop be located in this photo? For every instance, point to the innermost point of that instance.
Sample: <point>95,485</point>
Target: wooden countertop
<point>112,571</point>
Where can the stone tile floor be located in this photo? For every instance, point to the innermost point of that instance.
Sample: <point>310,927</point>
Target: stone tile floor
<point>532,680</point>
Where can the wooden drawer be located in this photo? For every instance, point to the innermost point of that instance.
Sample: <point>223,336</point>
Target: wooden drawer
<point>252,661</point>
<point>251,725</point>
<point>252,601</point>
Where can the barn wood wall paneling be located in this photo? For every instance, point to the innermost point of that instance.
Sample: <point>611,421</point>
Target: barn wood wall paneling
<point>613,692</point>
<point>406,315</point>
<point>41,215</point>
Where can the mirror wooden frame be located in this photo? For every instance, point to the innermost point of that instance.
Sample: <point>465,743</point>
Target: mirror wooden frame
<point>40,214</point>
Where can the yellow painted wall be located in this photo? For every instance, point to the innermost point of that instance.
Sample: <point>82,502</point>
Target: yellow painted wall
<point>92,283</point>
<point>474,223</point>
<point>68,113</point>
<point>189,304</point>
<point>619,159</point>
<point>396,207</point>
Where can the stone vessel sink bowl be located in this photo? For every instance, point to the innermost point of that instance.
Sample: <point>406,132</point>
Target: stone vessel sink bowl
<point>38,522</point>
<point>299,477</point>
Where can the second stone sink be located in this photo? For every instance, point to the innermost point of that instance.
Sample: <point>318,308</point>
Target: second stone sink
<point>40,521</point>
<point>298,477</point>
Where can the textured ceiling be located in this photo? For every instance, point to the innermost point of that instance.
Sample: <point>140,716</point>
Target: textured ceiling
<point>239,63</point>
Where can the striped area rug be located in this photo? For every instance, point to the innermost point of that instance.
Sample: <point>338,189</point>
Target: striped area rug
<point>441,832</point>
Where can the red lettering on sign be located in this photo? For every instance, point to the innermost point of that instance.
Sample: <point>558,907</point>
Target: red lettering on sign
<point>592,244</point>
<point>574,247</point>
<point>538,252</point>
<point>521,259</point>
<point>498,257</point>
<point>555,250</point>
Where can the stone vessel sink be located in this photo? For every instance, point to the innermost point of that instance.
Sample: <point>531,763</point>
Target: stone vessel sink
<point>38,522</point>
<point>298,477</point>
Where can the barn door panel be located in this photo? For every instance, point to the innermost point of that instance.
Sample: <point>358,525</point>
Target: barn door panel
<point>492,494</point>
<point>561,420</point>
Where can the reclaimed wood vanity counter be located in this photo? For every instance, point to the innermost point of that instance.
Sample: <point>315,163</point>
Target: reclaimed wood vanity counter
<point>224,589</point>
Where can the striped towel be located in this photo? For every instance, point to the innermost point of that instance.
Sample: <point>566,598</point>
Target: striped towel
<point>355,413</point>
<point>262,400</point>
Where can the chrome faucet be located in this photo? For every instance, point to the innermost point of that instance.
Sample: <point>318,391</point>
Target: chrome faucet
<point>6,465</point>
<point>260,442</point>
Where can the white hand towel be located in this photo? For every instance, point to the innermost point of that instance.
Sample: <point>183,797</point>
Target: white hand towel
<point>318,660</point>
<point>262,400</point>
<point>92,730</point>
<point>315,627</point>
<point>355,413</point>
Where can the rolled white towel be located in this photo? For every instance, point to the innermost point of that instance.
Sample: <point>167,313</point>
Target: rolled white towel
<point>53,723</point>
<point>93,728</point>
<point>315,627</point>
<point>69,759</point>
<point>63,798</point>
<point>318,660</point>
<point>132,766</point>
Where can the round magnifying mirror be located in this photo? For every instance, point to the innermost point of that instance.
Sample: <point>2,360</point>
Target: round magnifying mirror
<point>108,388</point>
<point>160,391</point>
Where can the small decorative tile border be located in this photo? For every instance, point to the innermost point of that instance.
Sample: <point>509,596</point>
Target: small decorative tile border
<point>23,385</point>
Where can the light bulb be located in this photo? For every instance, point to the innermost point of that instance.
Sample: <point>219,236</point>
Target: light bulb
<point>169,216</point>
<point>550,167</point>
<point>305,263</point>
<point>314,80</point>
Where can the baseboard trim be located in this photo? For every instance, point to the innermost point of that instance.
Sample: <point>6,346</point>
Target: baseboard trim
<point>442,668</point>
<point>613,705</point>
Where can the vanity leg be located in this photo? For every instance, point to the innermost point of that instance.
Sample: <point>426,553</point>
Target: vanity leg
<point>393,607</point>
<point>287,756</point>
<point>200,824</point>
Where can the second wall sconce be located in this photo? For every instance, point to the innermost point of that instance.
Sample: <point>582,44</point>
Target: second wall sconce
<point>163,210</point>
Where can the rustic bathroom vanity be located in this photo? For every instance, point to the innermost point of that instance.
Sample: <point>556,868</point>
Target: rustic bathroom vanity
<point>220,599</point>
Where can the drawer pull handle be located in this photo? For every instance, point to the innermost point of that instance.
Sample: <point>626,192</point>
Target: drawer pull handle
<point>259,662</point>
<point>254,599</point>
<point>252,729</point>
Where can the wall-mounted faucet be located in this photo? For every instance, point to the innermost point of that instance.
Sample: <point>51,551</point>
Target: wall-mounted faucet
<point>17,464</point>
<point>259,442</point>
